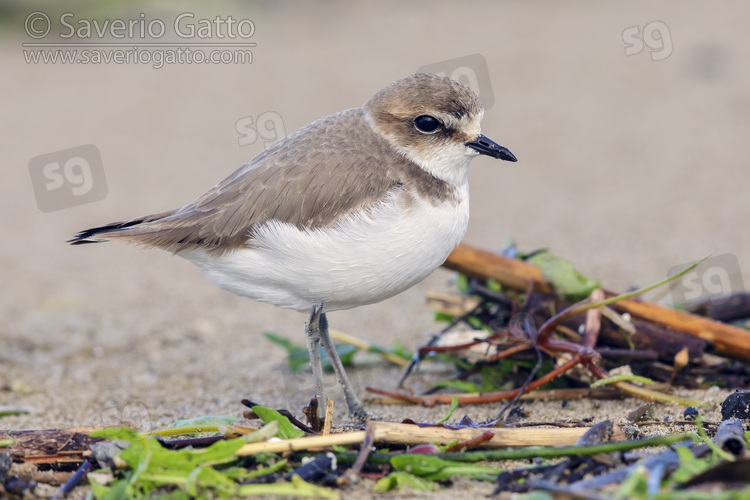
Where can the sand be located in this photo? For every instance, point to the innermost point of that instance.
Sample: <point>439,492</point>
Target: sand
<point>628,166</point>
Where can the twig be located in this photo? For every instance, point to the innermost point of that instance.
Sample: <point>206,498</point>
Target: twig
<point>409,434</point>
<point>304,443</point>
<point>532,333</point>
<point>477,398</point>
<point>471,443</point>
<point>473,262</point>
<point>650,395</point>
<point>71,483</point>
<point>351,476</point>
<point>177,444</point>
<point>313,418</point>
<point>197,429</point>
<point>329,417</point>
<point>628,354</point>
<point>417,357</point>
<point>618,320</point>
<point>481,264</point>
<point>593,321</point>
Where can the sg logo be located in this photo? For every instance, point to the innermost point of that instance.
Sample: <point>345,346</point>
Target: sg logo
<point>713,279</point>
<point>134,414</point>
<point>470,70</point>
<point>269,126</point>
<point>68,178</point>
<point>655,36</point>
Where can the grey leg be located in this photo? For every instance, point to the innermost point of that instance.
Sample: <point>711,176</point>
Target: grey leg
<point>356,411</point>
<point>312,334</point>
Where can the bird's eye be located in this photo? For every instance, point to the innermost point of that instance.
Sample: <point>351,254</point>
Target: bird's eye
<point>426,124</point>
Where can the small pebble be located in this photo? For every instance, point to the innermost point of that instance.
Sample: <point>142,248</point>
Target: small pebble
<point>736,405</point>
<point>690,413</point>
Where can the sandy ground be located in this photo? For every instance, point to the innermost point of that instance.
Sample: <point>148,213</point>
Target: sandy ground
<point>628,166</point>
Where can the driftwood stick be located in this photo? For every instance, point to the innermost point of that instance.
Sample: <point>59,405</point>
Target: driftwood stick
<point>515,274</point>
<point>727,340</point>
<point>481,264</point>
<point>409,434</point>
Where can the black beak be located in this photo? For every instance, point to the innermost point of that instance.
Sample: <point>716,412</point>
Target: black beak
<point>490,148</point>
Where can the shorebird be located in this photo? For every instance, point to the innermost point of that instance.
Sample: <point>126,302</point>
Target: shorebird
<point>349,210</point>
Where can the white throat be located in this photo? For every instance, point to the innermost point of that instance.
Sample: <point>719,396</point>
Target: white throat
<point>444,163</point>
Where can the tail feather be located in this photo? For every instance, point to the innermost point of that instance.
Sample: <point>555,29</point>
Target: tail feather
<point>116,230</point>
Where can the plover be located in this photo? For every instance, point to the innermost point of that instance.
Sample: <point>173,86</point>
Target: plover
<point>349,210</point>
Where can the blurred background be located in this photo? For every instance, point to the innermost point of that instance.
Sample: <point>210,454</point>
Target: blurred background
<point>630,121</point>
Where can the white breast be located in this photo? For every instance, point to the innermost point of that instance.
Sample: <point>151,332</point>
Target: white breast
<point>368,257</point>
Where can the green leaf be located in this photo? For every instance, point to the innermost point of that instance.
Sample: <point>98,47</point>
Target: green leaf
<point>436,469</point>
<point>298,355</point>
<point>568,283</point>
<point>440,317</point>
<point>402,480</point>
<point>11,413</point>
<point>462,284</point>
<point>296,488</point>
<point>493,285</point>
<point>447,446</point>
<point>475,322</point>
<point>286,429</point>
<point>269,430</point>
<point>461,385</point>
<point>536,495</point>
<point>623,378</point>
<point>115,491</point>
<point>265,457</point>
<point>400,350</point>
<point>119,433</point>
<point>715,449</point>
<point>194,426</point>
<point>635,485</point>
<point>454,405</point>
<point>158,459</point>
<point>242,474</point>
<point>207,478</point>
<point>689,465</point>
<point>153,466</point>
<point>207,421</point>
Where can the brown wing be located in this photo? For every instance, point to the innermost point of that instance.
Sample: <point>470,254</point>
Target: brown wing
<point>332,166</point>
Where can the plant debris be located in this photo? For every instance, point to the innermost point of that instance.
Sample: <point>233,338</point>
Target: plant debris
<point>599,348</point>
<point>500,342</point>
